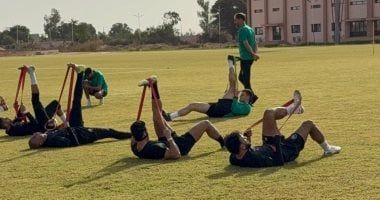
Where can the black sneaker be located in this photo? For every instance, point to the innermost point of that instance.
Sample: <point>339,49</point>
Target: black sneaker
<point>231,58</point>
<point>166,116</point>
<point>254,99</point>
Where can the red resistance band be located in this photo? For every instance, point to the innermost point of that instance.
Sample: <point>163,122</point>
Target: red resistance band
<point>20,88</point>
<point>70,92</point>
<point>261,120</point>
<point>141,104</point>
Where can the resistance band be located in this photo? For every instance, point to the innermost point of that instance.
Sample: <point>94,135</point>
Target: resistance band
<point>20,89</point>
<point>141,103</point>
<point>261,120</point>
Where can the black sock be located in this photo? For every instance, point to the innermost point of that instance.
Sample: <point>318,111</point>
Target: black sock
<point>155,88</point>
<point>221,141</point>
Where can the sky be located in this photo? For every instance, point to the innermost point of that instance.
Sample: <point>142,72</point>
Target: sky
<point>101,14</point>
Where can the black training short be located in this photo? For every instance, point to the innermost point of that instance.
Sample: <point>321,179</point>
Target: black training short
<point>184,142</point>
<point>292,146</point>
<point>220,109</point>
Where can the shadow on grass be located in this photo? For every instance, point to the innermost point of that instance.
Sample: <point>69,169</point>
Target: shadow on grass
<point>89,107</point>
<point>213,120</point>
<point>6,138</point>
<point>241,171</point>
<point>31,152</point>
<point>131,163</point>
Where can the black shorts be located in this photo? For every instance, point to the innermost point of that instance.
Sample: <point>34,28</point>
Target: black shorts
<point>184,142</point>
<point>220,109</point>
<point>291,147</point>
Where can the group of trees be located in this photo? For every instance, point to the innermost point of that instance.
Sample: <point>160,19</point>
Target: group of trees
<point>220,16</point>
<point>216,22</point>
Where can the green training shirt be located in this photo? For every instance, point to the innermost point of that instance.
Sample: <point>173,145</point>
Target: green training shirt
<point>246,33</point>
<point>98,80</point>
<point>239,108</point>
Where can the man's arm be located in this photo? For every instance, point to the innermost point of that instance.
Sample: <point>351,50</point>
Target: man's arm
<point>173,151</point>
<point>252,51</point>
<point>60,142</point>
<point>27,114</point>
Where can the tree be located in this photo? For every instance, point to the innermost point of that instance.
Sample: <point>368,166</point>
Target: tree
<point>205,17</point>
<point>228,8</point>
<point>67,31</point>
<point>19,32</point>
<point>85,32</point>
<point>51,24</point>
<point>6,40</point>
<point>120,33</point>
<point>171,18</point>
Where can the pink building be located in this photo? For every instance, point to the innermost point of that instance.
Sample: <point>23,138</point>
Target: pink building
<point>304,21</point>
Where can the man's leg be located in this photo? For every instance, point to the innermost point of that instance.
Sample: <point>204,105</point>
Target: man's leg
<point>245,73</point>
<point>54,106</point>
<point>159,122</point>
<point>206,126</point>
<point>39,110</point>
<point>193,107</point>
<point>309,128</point>
<point>76,119</point>
<point>102,133</point>
<point>87,92</point>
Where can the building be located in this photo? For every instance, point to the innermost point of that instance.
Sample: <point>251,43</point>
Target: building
<point>313,21</point>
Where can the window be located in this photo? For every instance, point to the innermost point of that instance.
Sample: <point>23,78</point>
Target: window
<point>316,28</point>
<point>276,30</point>
<point>358,29</point>
<point>358,2</point>
<point>377,1</point>
<point>315,6</point>
<point>377,27</point>
<point>333,26</point>
<point>297,7</point>
<point>259,30</point>
<point>296,28</point>
<point>258,10</point>
<point>276,9</point>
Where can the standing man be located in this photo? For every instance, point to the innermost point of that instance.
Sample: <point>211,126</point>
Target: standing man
<point>95,85</point>
<point>248,51</point>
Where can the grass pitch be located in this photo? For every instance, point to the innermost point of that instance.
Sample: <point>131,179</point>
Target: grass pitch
<point>340,87</point>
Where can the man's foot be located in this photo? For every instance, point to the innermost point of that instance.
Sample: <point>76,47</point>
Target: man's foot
<point>332,150</point>
<point>79,69</point>
<point>3,104</point>
<point>254,99</point>
<point>88,103</point>
<point>101,101</point>
<point>231,59</point>
<point>298,108</point>
<point>166,116</point>
<point>31,69</point>
<point>145,82</point>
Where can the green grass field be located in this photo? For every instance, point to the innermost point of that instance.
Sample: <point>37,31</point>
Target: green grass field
<point>340,87</point>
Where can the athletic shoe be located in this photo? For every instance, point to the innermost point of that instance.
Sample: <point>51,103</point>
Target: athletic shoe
<point>3,104</point>
<point>31,69</point>
<point>79,69</point>
<point>298,109</point>
<point>332,150</point>
<point>254,99</point>
<point>145,82</point>
<point>88,103</point>
<point>166,116</point>
<point>232,59</point>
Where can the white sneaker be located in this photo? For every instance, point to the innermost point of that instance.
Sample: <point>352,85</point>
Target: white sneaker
<point>31,69</point>
<point>298,108</point>
<point>101,101</point>
<point>332,150</point>
<point>145,82</point>
<point>88,103</point>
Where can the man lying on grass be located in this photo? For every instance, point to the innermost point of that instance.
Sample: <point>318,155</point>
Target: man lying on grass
<point>169,145</point>
<point>276,150</point>
<point>76,134</point>
<point>43,116</point>
<point>233,103</point>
